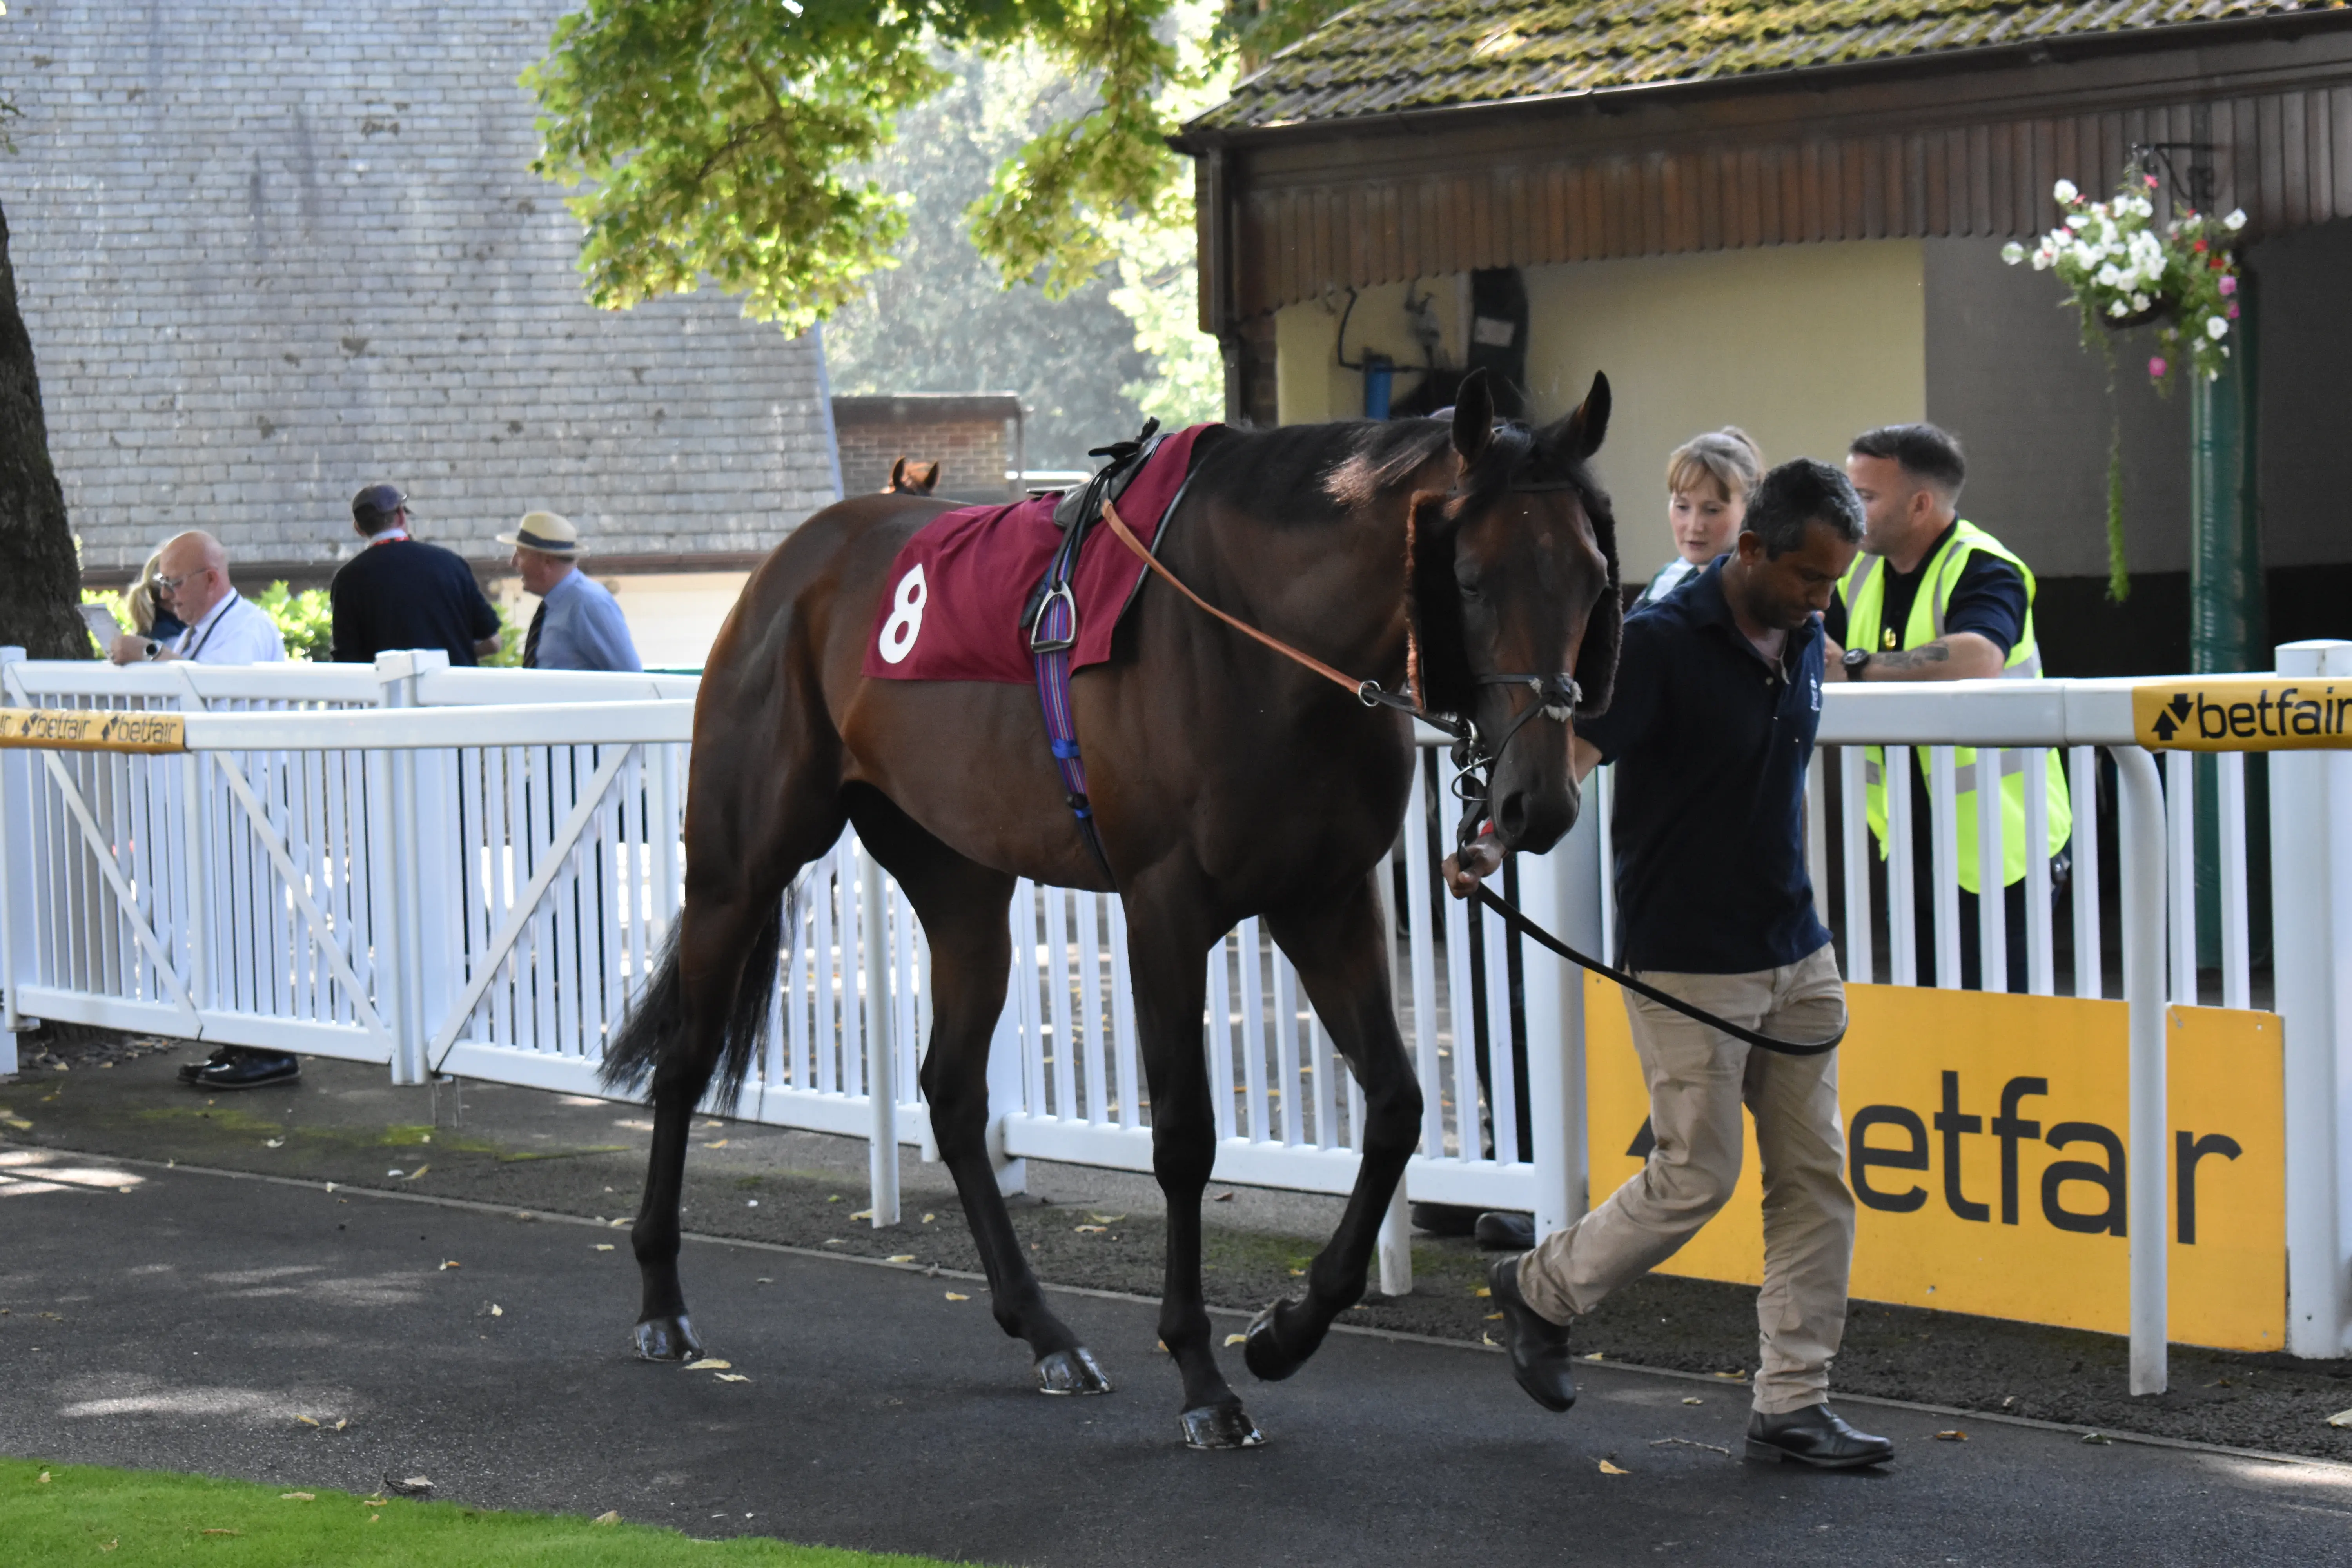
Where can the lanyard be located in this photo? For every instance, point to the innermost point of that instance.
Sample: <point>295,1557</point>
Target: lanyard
<point>212,624</point>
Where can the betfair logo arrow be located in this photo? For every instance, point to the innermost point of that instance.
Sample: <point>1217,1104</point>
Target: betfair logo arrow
<point>2242,714</point>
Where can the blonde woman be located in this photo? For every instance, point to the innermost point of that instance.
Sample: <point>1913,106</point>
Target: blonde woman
<point>150,615</point>
<point>1708,481</point>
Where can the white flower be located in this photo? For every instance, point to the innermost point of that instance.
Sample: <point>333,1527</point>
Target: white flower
<point>2012,253</point>
<point>2139,301</point>
<point>2042,260</point>
<point>2107,277</point>
<point>2065,192</point>
<point>2118,309</point>
<point>2078,220</point>
<point>2235,221</point>
<point>2217,327</point>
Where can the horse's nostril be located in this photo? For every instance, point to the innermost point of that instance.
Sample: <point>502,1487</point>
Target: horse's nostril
<point>1511,818</point>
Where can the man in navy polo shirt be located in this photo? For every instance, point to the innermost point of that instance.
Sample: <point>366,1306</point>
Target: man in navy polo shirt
<point>1718,695</point>
<point>400,593</point>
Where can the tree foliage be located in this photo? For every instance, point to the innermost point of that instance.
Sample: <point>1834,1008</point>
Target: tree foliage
<point>724,139</point>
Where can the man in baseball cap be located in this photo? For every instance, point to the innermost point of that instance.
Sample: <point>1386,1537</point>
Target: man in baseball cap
<point>578,624</point>
<point>401,593</point>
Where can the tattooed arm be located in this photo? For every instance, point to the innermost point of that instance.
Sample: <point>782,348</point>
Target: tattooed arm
<point>1956,655</point>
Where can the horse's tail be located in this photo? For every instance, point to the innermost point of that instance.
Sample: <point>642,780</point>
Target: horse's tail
<point>653,1029</point>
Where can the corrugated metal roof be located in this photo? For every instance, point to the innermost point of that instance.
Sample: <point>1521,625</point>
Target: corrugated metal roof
<point>1393,55</point>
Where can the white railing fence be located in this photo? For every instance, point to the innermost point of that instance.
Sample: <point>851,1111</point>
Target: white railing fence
<point>471,871</point>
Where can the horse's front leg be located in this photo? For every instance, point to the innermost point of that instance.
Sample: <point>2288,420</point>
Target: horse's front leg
<point>1341,954</point>
<point>1168,955</point>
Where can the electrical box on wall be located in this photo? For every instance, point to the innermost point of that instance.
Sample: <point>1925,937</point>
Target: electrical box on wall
<point>1499,336</point>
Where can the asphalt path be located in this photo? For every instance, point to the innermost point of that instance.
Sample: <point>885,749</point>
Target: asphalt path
<point>190,1321</point>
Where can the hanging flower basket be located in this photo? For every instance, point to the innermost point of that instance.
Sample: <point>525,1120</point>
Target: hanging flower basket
<point>2124,270</point>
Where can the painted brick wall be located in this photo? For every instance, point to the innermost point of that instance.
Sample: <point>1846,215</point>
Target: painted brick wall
<point>271,252</point>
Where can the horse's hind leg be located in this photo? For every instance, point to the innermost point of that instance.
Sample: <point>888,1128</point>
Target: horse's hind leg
<point>963,908</point>
<point>1342,959</point>
<point>709,1006</point>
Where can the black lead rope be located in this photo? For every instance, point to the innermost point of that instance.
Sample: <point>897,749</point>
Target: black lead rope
<point>1527,928</point>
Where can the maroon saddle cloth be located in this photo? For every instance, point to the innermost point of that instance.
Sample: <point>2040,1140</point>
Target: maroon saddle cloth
<point>952,604</point>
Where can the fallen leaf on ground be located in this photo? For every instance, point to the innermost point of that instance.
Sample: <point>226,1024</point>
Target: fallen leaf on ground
<point>1222,1198</point>
<point>1954,1435</point>
<point>42,1479</point>
<point>900,1257</point>
<point>732,1377</point>
<point>929,1217</point>
<point>18,1122</point>
<point>620,1225</point>
<point>419,1172</point>
<point>1298,1274</point>
<point>708,1363</point>
<point>341,1422</point>
<point>1735,1372</point>
<point>395,1173</point>
<point>863,1213</point>
<point>603,1247</point>
<point>1105,1219</point>
<point>1487,1338</point>
<point>763,1280</point>
<point>2341,1418</point>
<point>1609,1469</point>
<point>833,1197</point>
<point>297,1497</point>
<point>1090,1229</point>
<point>1693,1443</point>
<point>496,1311</point>
<point>375,1502</point>
<point>451,1263</point>
<point>956,1296</point>
<point>2099,1437</point>
<point>1236,1339</point>
<point>609,1516</point>
<point>1493,1316</point>
<point>1483,1291</point>
<point>1593,1355</point>
<point>835,1241</point>
<point>304,1419</point>
<point>1694,1400</point>
<point>274,1143</point>
<point>414,1484</point>
<point>705,1126</point>
<point>110,1545</point>
<point>220,1532</point>
<point>2008,1402</point>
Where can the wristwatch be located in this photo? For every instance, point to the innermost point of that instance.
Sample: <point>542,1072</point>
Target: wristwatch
<point>1856,660</point>
<point>153,648</point>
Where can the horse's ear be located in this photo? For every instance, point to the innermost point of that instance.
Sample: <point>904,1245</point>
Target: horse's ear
<point>927,479</point>
<point>1579,434</point>
<point>1473,418</point>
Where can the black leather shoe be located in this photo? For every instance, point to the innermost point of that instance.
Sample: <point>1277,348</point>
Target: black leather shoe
<point>1538,1346</point>
<point>1444,1219</point>
<point>1505,1232</point>
<point>249,1069</point>
<point>188,1070</point>
<point>1816,1435</point>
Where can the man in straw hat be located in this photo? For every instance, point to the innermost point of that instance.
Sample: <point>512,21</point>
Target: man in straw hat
<point>579,625</point>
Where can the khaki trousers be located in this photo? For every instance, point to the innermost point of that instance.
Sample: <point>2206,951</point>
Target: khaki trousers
<point>1699,1078</point>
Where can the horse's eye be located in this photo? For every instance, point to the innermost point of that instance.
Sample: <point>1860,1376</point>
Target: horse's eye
<point>1467,582</point>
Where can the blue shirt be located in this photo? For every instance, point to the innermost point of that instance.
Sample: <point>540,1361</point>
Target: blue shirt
<point>585,628</point>
<point>1711,740</point>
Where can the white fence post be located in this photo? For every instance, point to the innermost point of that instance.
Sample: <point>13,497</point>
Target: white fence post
<point>2311,926</point>
<point>2142,845</point>
<point>872,932</point>
<point>16,882</point>
<point>400,988</point>
<point>1561,892</point>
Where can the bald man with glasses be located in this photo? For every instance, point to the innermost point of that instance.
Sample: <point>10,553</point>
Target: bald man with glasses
<point>223,625</point>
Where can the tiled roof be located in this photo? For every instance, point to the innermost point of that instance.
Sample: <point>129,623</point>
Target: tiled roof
<point>1392,54</point>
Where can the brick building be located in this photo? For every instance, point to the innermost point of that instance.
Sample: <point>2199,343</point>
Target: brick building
<point>975,437</point>
<point>271,252</point>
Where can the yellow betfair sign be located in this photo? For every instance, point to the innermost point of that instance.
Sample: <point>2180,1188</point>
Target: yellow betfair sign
<point>92,729</point>
<point>2243,713</point>
<point>1985,1145</point>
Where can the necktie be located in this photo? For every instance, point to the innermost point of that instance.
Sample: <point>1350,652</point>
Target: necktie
<point>530,637</point>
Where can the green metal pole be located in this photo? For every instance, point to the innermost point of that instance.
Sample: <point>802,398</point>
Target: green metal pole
<point>2225,567</point>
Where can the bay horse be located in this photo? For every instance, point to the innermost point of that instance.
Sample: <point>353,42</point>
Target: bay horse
<point>1226,782</point>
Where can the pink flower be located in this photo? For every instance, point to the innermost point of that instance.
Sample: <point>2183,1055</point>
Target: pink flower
<point>2234,311</point>
<point>2157,367</point>
<point>2229,286</point>
<point>2151,180</point>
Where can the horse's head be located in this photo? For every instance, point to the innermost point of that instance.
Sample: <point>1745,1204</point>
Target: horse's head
<point>912,478</point>
<point>1516,599</point>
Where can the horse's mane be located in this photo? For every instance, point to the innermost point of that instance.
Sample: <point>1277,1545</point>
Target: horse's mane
<point>1300,474</point>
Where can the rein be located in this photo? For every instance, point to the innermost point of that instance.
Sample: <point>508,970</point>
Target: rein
<point>1556,697</point>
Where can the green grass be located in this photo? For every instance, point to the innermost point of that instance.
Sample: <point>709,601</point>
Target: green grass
<point>82,1513</point>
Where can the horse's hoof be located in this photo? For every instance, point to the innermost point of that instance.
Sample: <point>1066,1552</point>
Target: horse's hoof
<point>666,1339</point>
<point>1221,1427</point>
<point>1268,1361</point>
<point>1073,1371</point>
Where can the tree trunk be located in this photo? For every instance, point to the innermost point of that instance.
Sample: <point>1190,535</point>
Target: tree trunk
<point>41,577</point>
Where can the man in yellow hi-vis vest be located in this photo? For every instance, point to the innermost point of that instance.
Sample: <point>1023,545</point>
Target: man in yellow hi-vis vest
<point>1935,597</point>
